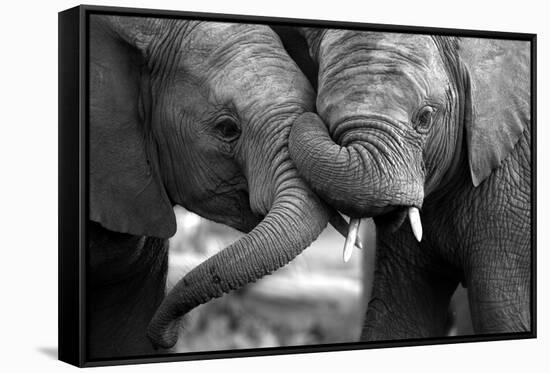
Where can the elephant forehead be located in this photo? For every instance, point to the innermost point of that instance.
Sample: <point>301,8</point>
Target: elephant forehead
<point>379,70</point>
<point>258,83</point>
<point>217,43</point>
<point>382,56</point>
<point>238,61</point>
<point>263,82</point>
<point>415,49</point>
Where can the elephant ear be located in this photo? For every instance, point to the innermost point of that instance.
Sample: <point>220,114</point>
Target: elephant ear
<point>126,192</point>
<point>498,100</point>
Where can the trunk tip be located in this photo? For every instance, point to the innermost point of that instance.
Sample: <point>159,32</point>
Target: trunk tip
<point>163,334</point>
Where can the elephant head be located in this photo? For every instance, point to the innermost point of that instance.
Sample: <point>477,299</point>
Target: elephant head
<point>398,115</point>
<point>198,114</point>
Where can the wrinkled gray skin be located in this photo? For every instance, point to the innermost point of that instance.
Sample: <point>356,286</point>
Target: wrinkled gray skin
<point>196,114</point>
<point>441,124</point>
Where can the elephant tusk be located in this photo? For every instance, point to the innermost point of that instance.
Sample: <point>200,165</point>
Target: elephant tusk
<point>350,239</point>
<point>341,226</point>
<point>416,224</point>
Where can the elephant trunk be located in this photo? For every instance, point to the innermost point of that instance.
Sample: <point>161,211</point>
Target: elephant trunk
<point>360,153</point>
<point>362,177</point>
<point>296,218</point>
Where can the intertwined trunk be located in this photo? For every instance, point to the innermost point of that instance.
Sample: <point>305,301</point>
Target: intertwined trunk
<point>363,176</point>
<point>296,218</point>
<point>359,152</point>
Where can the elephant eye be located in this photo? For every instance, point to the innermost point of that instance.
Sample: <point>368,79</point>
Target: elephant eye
<point>227,129</point>
<point>424,118</point>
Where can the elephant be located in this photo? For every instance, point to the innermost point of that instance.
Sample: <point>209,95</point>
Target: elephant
<point>196,114</point>
<point>437,129</point>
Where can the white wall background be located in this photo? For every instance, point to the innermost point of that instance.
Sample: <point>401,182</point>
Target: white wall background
<point>28,183</point>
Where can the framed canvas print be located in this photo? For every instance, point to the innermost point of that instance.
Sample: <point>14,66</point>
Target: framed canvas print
<point>382,176</point>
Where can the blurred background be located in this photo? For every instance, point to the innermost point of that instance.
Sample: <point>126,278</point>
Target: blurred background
<point>315,299</point>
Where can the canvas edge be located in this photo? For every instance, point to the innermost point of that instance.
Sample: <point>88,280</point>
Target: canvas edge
<point>71,187</point>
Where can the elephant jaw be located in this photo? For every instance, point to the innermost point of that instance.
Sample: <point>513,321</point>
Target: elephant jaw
<point>352,238</point>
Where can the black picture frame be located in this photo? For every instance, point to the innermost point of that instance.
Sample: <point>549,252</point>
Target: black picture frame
<point>73,183</point>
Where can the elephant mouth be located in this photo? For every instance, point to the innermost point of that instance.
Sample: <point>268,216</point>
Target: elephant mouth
<point>238,213</point>
<point>390,219</point>
<point>393,219</point>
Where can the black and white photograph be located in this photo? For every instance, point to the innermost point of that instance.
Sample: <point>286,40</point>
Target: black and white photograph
<point>274,186</point>
<point>285,186</point>
<point>256,185</point>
